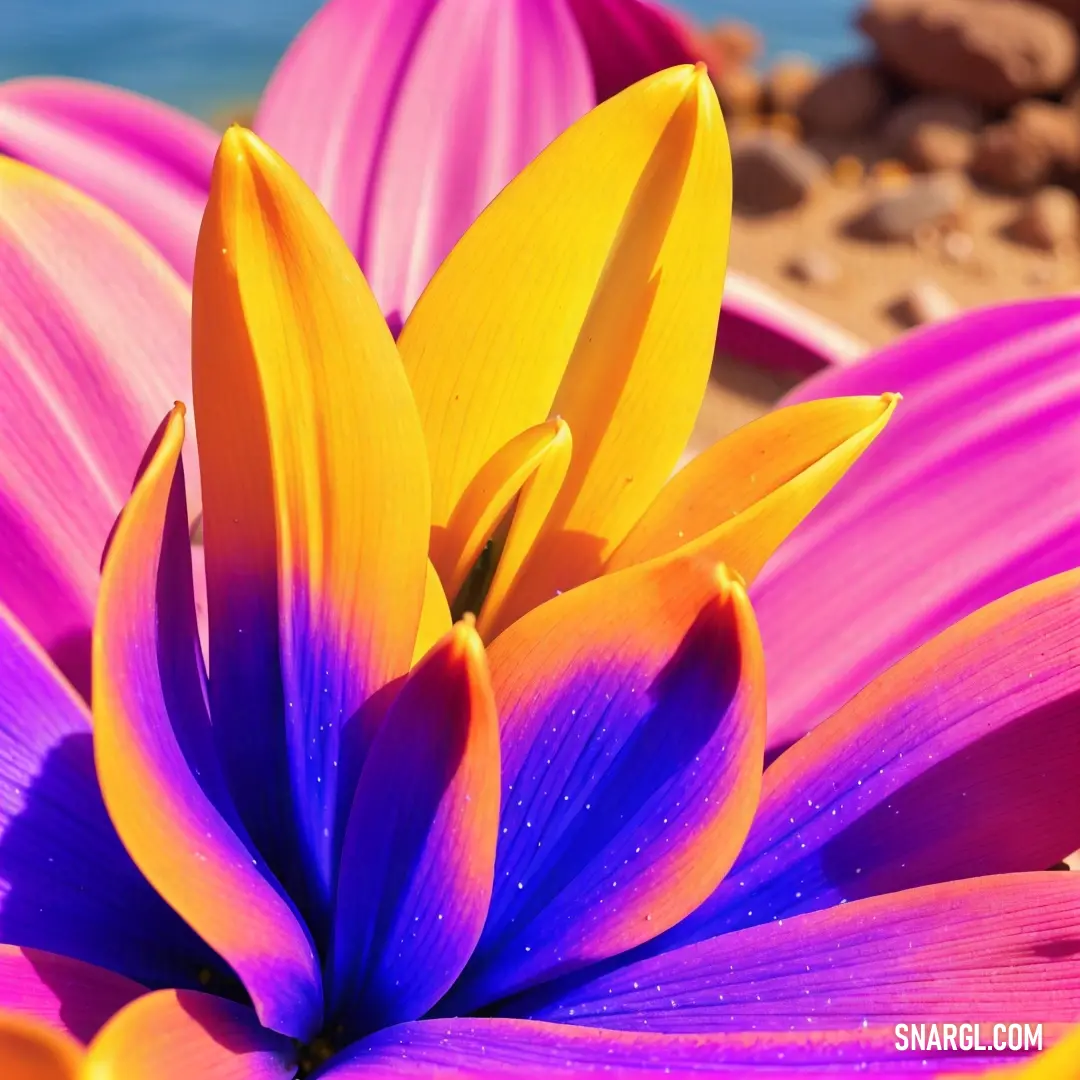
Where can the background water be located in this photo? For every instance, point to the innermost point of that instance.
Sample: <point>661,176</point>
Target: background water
<point>200,54</point>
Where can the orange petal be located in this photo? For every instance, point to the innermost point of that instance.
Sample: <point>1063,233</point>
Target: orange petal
<point>31,1051</point>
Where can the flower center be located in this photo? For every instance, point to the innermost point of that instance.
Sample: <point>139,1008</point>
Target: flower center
<point>318,1052</point>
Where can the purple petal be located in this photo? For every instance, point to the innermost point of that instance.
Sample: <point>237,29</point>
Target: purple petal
<point>990,949</point>
<point>973,492</point>
<point>403,148</point>
<point>628,40</point>
<point>631,727</point>
<point>66,883</point>
<point>144,160</point>
<point>977,729</point>
<point>66,994</point>
<point>94,347</point>
<point>762,327</point>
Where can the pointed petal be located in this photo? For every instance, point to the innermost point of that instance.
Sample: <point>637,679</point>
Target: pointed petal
<point>66,995</point>
<point>151,735</point>
<point>147,162</point>
<point>977,728</point>
<point>996,948</point>
<point>739,500</point>
<point>66,882</point>
<point>31,1051</point>
<point>631,713</point>
<point>490,341</point>
<point>764,328</point>
<point>435,618</point>
<point>628,40</point>
<point>973,492</point>
<point>405,152</point>
<point>93,349</point>
<point>177,1034</point>
<point>316,508</point>
<point>500,1046</point>
<point>419,854</point>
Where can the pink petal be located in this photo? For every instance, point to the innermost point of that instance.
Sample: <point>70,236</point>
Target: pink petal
<point>405,148</point>
<point>144,160</point>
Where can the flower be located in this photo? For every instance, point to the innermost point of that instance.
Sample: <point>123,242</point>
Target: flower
<point>405,117</point>
<point>559,848</point>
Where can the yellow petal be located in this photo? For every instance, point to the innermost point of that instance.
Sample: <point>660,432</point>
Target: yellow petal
<point>435,621</point>
<point>31,1051</point>
<point>602,261</point>
<point>744,495</point>
<point>1060,1062</point>
<point>316,501</point>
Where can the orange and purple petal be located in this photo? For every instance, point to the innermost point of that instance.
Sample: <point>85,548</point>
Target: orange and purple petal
<point>64,994</point>
<point>156,764</point>
<point>960,761</point>
<point>972,492</point>
<point>631,712</point>
<point>181,1035</point>
<point>419,855</point>
<point>29,1050</point>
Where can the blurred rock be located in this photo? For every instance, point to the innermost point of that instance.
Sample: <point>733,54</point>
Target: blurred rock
<point>740,92</point>
<point>848,171</point>
<point>991,52</point>
<point>1057,127</point>
<point>1049,220</point>
<point>905,213</point>
<point>846,101</point>
<point>925,302</point>
<point>934,147</point>
<point>932,132</point>
<point>816,268</point>
<point>1038,142</point>
<point>788,82</point>
<point>729,45</point>
<point>957,247</point>
<point>771,172</point>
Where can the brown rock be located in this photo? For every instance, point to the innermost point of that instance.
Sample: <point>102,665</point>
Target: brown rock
<point>935,147</point>
<point>788,82</point>
<point>816,268</point>
<point>731,45</point>
<point>933,132</point>
<point>1057,127</point>
<point>740,91</point>
<point>1038,142</point>
<point>771,173</point>
<point>846,101</point>
<point>905,214</point>
<point>1049,219</point>
<point>992,52</point>
<point>925,302</point>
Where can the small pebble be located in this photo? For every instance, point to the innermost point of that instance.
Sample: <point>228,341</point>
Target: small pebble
<point>925,302</point>
<point>814,268</point>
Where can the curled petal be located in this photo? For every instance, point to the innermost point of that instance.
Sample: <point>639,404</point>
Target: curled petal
<point>419,852</point>
<point>177,1035</point>
<point>147,162</point>
<point>435,620</point>
<point>403,152</point>
<point>632,714</point>
<point>67,996</point>
<point>316,511</point>
<point>972,493</point>
<point>156,764</point>
<point>598,306</point>
<point>29,1050</point>
<point>93,349</point>
<point>740,499</point>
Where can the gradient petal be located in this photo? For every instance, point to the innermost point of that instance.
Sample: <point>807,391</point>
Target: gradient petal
<point>405,152</point>
<point>31,1051</point>
<point>66,882</point>
<point>152,735</point>
<point>93,349</point>
<point>763,327</point>
<point>472,1047</point>
<point>628,40</point>
<point>978,728</point>
<point>606,221</point>
<point>177,1035</point>
<point>972,493</point>
<point>995,949</point>
<point>740,499</point>
<point>147,162</point>
<point>316,509</point>
<point>631,714</point>
<point>419,854</point>
<point>66,995</point>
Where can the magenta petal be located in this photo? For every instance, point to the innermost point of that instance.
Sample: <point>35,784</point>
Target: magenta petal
<point>628,40</point>
<point>760,326</point>
<point>989,949</point>
<point>66,994</point>
<point>94,347</point>
<point>404,148</point>
<point>144,160</point>
<point>973,492</point>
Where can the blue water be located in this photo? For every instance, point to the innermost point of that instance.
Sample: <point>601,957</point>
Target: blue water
<point>200,53</point>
